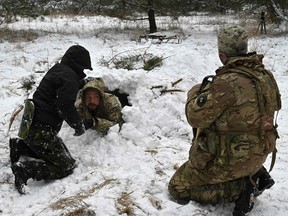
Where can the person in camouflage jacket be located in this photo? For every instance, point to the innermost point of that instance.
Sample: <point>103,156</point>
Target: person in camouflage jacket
<point>52,103</point>
<point>232,116</point>
<point>99,110</point>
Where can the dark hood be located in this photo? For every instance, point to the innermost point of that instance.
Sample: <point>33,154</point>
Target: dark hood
<point>78,58</point>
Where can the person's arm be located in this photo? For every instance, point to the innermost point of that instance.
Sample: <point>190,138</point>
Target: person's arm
<point>65,98</point>
<point>114,116</point>
<point>203,107</point>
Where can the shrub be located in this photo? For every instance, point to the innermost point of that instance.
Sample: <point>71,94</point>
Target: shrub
<point>133,61</point>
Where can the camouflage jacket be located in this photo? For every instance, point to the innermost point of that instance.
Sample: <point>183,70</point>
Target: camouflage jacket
<point>232,118</point>
<point>107,114</point>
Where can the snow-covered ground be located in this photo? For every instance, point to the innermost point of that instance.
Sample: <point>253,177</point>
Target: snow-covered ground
<point>128,171</point>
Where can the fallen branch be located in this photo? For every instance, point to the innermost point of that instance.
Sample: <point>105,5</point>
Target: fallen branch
<point>14,114</point>
<point>160,37</point>
<point>164,91</point>
<point>141,18</point>
<point>176,82</point>
<point>151,151</point>
<point>158,86</point>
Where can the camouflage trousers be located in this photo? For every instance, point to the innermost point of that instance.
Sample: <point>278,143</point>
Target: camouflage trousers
<point>53,160</point>
<point>185,184</point>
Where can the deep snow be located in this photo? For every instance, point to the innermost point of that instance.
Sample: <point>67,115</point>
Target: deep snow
<point>130,168</point>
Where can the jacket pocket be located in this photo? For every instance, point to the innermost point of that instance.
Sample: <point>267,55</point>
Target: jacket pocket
<point>199,153</point>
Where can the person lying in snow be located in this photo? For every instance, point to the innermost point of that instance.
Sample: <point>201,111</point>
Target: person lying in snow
<point>98,109</point>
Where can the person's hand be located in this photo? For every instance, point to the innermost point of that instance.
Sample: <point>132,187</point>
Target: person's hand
<point>79,131</point>
<point>88,123</point>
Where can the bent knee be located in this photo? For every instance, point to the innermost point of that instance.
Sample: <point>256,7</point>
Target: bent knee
<point>178,190</point>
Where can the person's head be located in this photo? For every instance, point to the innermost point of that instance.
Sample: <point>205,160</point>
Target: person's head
<point>93,93</point>
<point>232,42</point>
<point>92,98</point>
<point>78,58</point>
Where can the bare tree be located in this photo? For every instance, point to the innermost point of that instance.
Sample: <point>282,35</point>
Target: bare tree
<point>149,6</point>
<point>123,3</point>
<point>276,12</point>
<point>151,17</point>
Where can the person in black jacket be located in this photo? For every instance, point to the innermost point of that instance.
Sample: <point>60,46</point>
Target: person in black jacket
<point>53,103</point>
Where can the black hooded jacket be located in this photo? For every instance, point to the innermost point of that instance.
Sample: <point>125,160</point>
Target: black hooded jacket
<point>56,94</point>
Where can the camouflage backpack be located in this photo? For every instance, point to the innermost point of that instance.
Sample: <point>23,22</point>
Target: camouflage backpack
<point>268,102</point>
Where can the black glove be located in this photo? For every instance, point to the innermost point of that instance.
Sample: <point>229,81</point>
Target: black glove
<point>79,131</point>
<point>88,123</point>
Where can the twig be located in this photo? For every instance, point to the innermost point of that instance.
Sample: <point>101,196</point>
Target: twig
<point>176,82</point>
<point>14,114</point>
<point>76,199</point>
<point>158,86</point>
<point>151,151</point>
<point>145,53</point>
<point>164,91</point>
<point>126,51</point>
<point>142,18</point>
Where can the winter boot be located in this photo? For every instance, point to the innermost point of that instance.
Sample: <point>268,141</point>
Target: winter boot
<point>180,201</point>
<point>243,204</point>
<point>14,150</point>
<point>264,182</point>
<point>21,176</point>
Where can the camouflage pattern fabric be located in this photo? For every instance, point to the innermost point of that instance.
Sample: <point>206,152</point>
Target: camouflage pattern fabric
<point>26,119</point>
<point>234,130</point>
<point>186,185</point>
<point>56,161</point>
<point>107,114</point>
<point>232,41</point>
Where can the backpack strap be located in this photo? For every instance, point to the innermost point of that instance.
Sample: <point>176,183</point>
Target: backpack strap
<point>256,82</point>
<point>273,159</point>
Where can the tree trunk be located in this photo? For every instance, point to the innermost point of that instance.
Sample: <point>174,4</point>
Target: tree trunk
<point>275,12</point>
<point>151,17</point>
<point>124,4</point>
